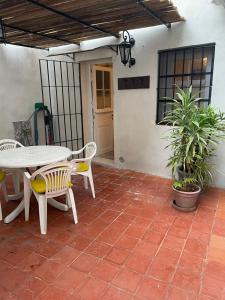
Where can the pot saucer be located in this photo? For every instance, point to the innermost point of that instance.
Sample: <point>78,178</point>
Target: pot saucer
<point>185,209</point>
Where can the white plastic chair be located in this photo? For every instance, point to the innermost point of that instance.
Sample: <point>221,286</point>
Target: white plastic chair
<point>82,166</point>
<point>7,144</point>
<point>56,179</point>
<point>3,187</point>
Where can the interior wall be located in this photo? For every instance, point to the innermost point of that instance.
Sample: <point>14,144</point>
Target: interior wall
<point>19,85</point>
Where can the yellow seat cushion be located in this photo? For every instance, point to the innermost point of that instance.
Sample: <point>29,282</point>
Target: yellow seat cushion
<point>39,185</point>
<point>2,175</point>
<point>82,167</point>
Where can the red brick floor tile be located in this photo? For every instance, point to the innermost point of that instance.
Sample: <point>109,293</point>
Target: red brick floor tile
<point>126,242</point>
<point>95,228</point>
<point>105,270</point>
<point>215,270</point>
<point>49,248</point>
<point>126,218</point>
<point>127,280</point>
<point>173,242</point>
<point>80,242</point>
<point>213,287</point>
<point>117,256</point>
<point>12,279</point>
<point>17,254</point>
<point>138,262</point>
<point>70,279</point>
<point>30,289</point>
<point>187,280</point>
<point>31,262</point>
<point>154,237</point>
<point>175,293</point>
<point>61,235</point>
<point>4,294</point>
<point>114,293</point>
<point>136,231</point>
<point>182,222</point>
<point>219,227</point>
<point>145,248</point>
<point>205,297</point>
<point>109,216</point>
<point>180,232</point>
<point>53,293</point>
<point>202,237</point>
<point>168,255</point>
<point>85,262</point>
<point>109,236</point>
<point>161,270</point>
<point>152,289</point>
<point>98,249</point>
<point>196,247</point>
<point>93,289</point>
<point>191,262</point>
<point>49,270</point>
<point>66,255</point>
<point>202,225</point>
<point>140,221</point>
<point>128,228</point>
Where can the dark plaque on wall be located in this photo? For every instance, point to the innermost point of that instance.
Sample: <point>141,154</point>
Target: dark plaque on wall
<point>129,83</point>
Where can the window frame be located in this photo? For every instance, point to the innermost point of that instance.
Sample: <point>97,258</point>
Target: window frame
<point>193,47</point>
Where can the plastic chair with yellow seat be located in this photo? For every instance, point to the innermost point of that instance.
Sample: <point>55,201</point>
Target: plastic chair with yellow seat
<point>2,185</point>
<point>82,166</point>
<point>48,182</point>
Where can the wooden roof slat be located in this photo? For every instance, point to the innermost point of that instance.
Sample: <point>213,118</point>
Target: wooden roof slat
<point>56,11</point>
<point>34,25</point>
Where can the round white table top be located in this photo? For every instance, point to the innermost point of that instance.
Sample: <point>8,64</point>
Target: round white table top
<point>33,156</point>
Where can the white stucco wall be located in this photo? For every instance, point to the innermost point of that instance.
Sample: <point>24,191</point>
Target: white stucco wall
<point>137,138</point>
<point>19,85</point>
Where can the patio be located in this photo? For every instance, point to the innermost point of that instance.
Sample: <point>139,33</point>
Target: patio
<point>128,244</point>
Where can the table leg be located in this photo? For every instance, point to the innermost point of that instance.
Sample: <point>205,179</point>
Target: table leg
<point>57,204</point>
<point>15,212</point>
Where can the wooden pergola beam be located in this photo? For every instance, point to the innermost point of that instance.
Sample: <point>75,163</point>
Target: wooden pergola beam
<point>39,34</point>
<point>153,14</point>
<point>65,15</point>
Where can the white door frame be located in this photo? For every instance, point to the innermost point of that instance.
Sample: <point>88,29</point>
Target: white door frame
<point>87,103</point>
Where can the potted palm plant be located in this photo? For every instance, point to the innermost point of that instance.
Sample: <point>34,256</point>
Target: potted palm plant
<point>193,137</point>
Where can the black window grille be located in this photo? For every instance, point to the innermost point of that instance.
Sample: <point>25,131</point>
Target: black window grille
<point>184,67</point>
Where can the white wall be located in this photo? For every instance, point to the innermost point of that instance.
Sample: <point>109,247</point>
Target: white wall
<point>19,85</point>
<point>137,138</point>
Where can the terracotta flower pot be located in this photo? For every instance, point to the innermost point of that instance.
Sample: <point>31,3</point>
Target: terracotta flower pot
<point>186,201</point>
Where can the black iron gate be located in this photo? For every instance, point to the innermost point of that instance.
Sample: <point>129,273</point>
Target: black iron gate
<point>61,92</point>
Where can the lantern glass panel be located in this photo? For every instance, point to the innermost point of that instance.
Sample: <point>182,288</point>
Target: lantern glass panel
<point>125,49</point>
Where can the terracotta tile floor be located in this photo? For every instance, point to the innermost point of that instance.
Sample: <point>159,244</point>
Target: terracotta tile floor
<point>129,244</point>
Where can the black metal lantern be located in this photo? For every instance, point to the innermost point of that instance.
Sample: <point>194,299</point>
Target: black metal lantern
<point>2,31</point>
<point>125,49</point>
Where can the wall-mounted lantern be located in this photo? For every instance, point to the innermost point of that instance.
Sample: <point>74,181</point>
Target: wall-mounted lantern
<point>2,31</point>
<point>125,49</point>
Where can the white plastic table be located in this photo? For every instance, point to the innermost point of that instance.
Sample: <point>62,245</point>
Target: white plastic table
<point>29,157</point>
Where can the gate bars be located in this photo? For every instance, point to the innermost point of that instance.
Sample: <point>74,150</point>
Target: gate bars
<point>61,92</point>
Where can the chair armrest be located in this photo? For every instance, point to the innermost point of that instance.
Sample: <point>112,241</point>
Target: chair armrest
<point>78,151</point>
<point>27,175</point>
<point>79,159</point>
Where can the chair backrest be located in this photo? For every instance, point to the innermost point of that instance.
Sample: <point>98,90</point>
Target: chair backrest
<point>90,150</point>
<point>9,144</point>
<point>57,177</point>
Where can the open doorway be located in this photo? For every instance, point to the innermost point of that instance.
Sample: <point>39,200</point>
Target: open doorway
<point>102,111</point>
